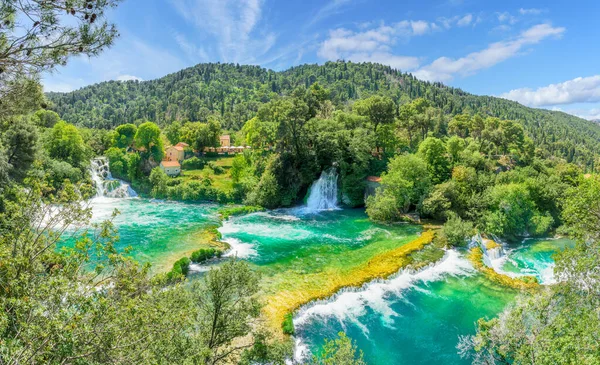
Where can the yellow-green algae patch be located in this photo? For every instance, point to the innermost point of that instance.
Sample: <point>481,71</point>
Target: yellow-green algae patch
<point>490,244</point>
<point>204,238</point>
<point>288,290</point>
<point>475,256</point>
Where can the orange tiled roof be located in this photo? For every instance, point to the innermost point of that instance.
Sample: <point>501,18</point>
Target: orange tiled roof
<point>170,163</point>
<point>374,178</point>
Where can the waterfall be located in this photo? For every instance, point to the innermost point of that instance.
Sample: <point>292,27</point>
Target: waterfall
<point>106,185</point>
<point>492,251</point>
<point>324,192</point>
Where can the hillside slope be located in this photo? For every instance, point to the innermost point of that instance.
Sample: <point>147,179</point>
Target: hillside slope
<point>235,92</point>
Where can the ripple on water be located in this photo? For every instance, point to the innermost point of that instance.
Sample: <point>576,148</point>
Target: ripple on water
<point>375,300</point>
<point>533,257</point>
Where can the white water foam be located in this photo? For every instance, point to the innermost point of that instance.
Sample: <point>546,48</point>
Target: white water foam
<point>239,249</point>
<point>351,304</point>
<point>324,192</point>
<point>106,185</point>
<point>197,268</point>
<point>266,230</point>
<point>274,215</point>
<point>301,352</point>
<point>544,271</point>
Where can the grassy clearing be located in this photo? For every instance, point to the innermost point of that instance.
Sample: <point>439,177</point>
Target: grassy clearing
<point>221,181</point>
<point>292,289</point>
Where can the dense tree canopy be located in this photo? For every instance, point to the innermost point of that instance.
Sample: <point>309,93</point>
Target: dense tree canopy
<point>66,144</point>
<point>235,93</point>
<point>559,323</point>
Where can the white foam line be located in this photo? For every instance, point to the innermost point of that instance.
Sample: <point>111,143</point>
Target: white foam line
<point>545,273</point>
<point>350,304</point>
<point>239,249</point>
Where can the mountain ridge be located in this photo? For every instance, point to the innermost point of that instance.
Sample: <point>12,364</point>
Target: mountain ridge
<point>235,92</point>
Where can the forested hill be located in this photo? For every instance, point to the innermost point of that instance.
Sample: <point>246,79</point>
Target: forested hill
<point>235,92</point>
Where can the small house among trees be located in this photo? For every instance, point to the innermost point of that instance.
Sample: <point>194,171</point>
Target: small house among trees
<point>225,140</point>
<point>175,153</point>
<point>171,168</point>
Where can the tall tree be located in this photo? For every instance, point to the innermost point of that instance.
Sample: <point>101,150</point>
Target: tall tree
<point>148,138</point>
<point>378,109</point>
<point>66,144</point>
<point>227,304</point>
<point>20,141</point>
<point>124,135</point>
<point>37,35</point>
<point>433,152</point>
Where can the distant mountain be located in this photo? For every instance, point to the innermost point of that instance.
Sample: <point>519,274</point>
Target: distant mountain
<point>235,92</point>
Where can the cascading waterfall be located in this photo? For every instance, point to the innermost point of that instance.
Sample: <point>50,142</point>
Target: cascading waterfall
<point>492,251</point>
<point>352,306</point>
<point>106,185</point>
<point>324,192</point>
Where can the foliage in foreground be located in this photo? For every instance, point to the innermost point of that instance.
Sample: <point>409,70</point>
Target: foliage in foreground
<point>87,302</point>
<point>339,351</point>
<point>288,324</point>
<point>560,323</point>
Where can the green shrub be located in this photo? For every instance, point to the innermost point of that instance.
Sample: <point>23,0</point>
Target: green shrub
<point>245,209</point>
<point>180,269</point>
<point>456,231</point>
<point>215,232</point>
<point>288,324</point>
<point>216,168</point>
<point>193,163</point>
<point>204,254</point>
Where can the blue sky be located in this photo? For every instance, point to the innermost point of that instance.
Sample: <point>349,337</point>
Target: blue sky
<point>540,53</point>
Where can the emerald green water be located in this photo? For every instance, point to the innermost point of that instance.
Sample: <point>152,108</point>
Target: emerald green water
<point>533,257</point>
<point>412,318</point>
<point>156,231</point>
<point>305,239</point>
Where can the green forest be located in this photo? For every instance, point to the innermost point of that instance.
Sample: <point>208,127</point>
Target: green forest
<point>453,164</point>
<point>234,94</point>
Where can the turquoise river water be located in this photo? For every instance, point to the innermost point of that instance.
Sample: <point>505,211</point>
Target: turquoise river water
<point>411,318</point>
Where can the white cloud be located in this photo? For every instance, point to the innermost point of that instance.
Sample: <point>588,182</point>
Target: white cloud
<point>419,27</point>
<point>130,56</point>
<point>445,68</point>
<point>128,78</point>
<point>502,28</point>
<point>578,90</point>
<point>506,17</point>
<point>343,41</point>
<point>589,114</point>
<point>461,21</point>
<point>194,53</point>
<point>465,20</point>
<point>234,25</point>
<point>331,8</point>
<point>373,45</point>
<point>59,87</point>
<point>386,58</point>
<point>531,11</point>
